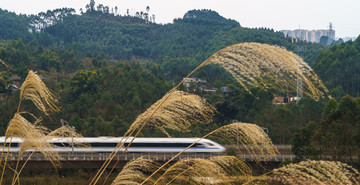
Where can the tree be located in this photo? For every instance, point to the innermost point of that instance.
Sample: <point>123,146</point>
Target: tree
<point>92,5</point>
<point>302,147</point>
<point>120,127</point>
<point>100,8</point>
<point>336,135</point>
<point>339,68</point>
<point>84,82</point>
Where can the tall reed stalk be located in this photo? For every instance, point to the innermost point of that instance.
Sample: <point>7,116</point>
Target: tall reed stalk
<point>178,113</point>
<point>247,134</point>
<point>32,134</point>
<point>254,65</point>
<point>139,127</point>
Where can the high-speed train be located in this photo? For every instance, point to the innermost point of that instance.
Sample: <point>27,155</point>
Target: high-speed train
<point>107,144</point>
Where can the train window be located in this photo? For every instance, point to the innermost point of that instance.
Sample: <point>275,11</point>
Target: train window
<point>12,144</point>
<point>62,144</point>
<point>165,145</point>
<point>161,145</point>
<point>103,145</point>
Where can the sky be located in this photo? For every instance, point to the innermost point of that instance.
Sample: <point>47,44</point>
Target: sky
<point>276,14</point>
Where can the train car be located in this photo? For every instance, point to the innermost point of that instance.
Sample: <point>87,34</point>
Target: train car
<point>145,145</point>
<point>15,144</point>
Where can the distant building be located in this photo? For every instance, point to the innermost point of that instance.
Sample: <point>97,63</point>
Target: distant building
<point>310,35</point>
<point>225,89</point>
<point>193,84</point>
<point>201,84</point>
<point>283,100</point>
<point>16,80</point>
<point>280,100</point>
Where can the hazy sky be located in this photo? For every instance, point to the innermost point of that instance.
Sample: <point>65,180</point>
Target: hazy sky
<point>276,14</point>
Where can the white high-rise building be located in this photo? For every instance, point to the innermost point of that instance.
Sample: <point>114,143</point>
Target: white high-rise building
<point>310,35</point>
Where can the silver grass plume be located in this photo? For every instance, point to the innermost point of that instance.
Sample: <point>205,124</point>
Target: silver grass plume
<point>64,131</point>
<point>2,80</point>
<point>178,112</point>
<point>271,68</point>
<point>311,172</point>
<point>193,171</point>
<point>35,90</point>
<point>70,133</point>
<point>136,171</point>
<point>34,138</point>
<point>249,137</point>
<point>218,170</point>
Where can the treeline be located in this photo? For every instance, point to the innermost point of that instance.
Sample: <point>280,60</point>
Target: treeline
<point>108,68</point>
<point>179,46</point>
<point>101,96</point>
<point>198,34</point>
<point>101,101</point>
<point>339,68</point>
<point>336,136</point>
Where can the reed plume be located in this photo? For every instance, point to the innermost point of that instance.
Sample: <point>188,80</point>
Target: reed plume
<point>255,65</point>
<point>2,80</point>
<point>64,131</point>
<point>247,136</point>
<point>271,68</point>
<point>218,170</point>
<point>44,145</point>
<point>250,136</point>
<point>179,112</point>
<point>33,135</point>
<point>136,171</point>
<point>311,172</point>
<point>193,171</point>
<point>233,166</point>
<point>67,132</point>
<point>35,90</point>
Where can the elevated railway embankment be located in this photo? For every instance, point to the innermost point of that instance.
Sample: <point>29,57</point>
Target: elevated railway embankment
<point>96,159</point>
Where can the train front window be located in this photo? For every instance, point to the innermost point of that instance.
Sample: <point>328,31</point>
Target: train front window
<point>209,143</point>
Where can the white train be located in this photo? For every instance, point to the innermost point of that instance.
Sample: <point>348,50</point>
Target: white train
<point>107,144</point>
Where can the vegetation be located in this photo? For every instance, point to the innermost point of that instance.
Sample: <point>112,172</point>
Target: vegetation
<point>339,68</point>
<point>87,77</point>
<point>335,135</point>
<point>108,68</point>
